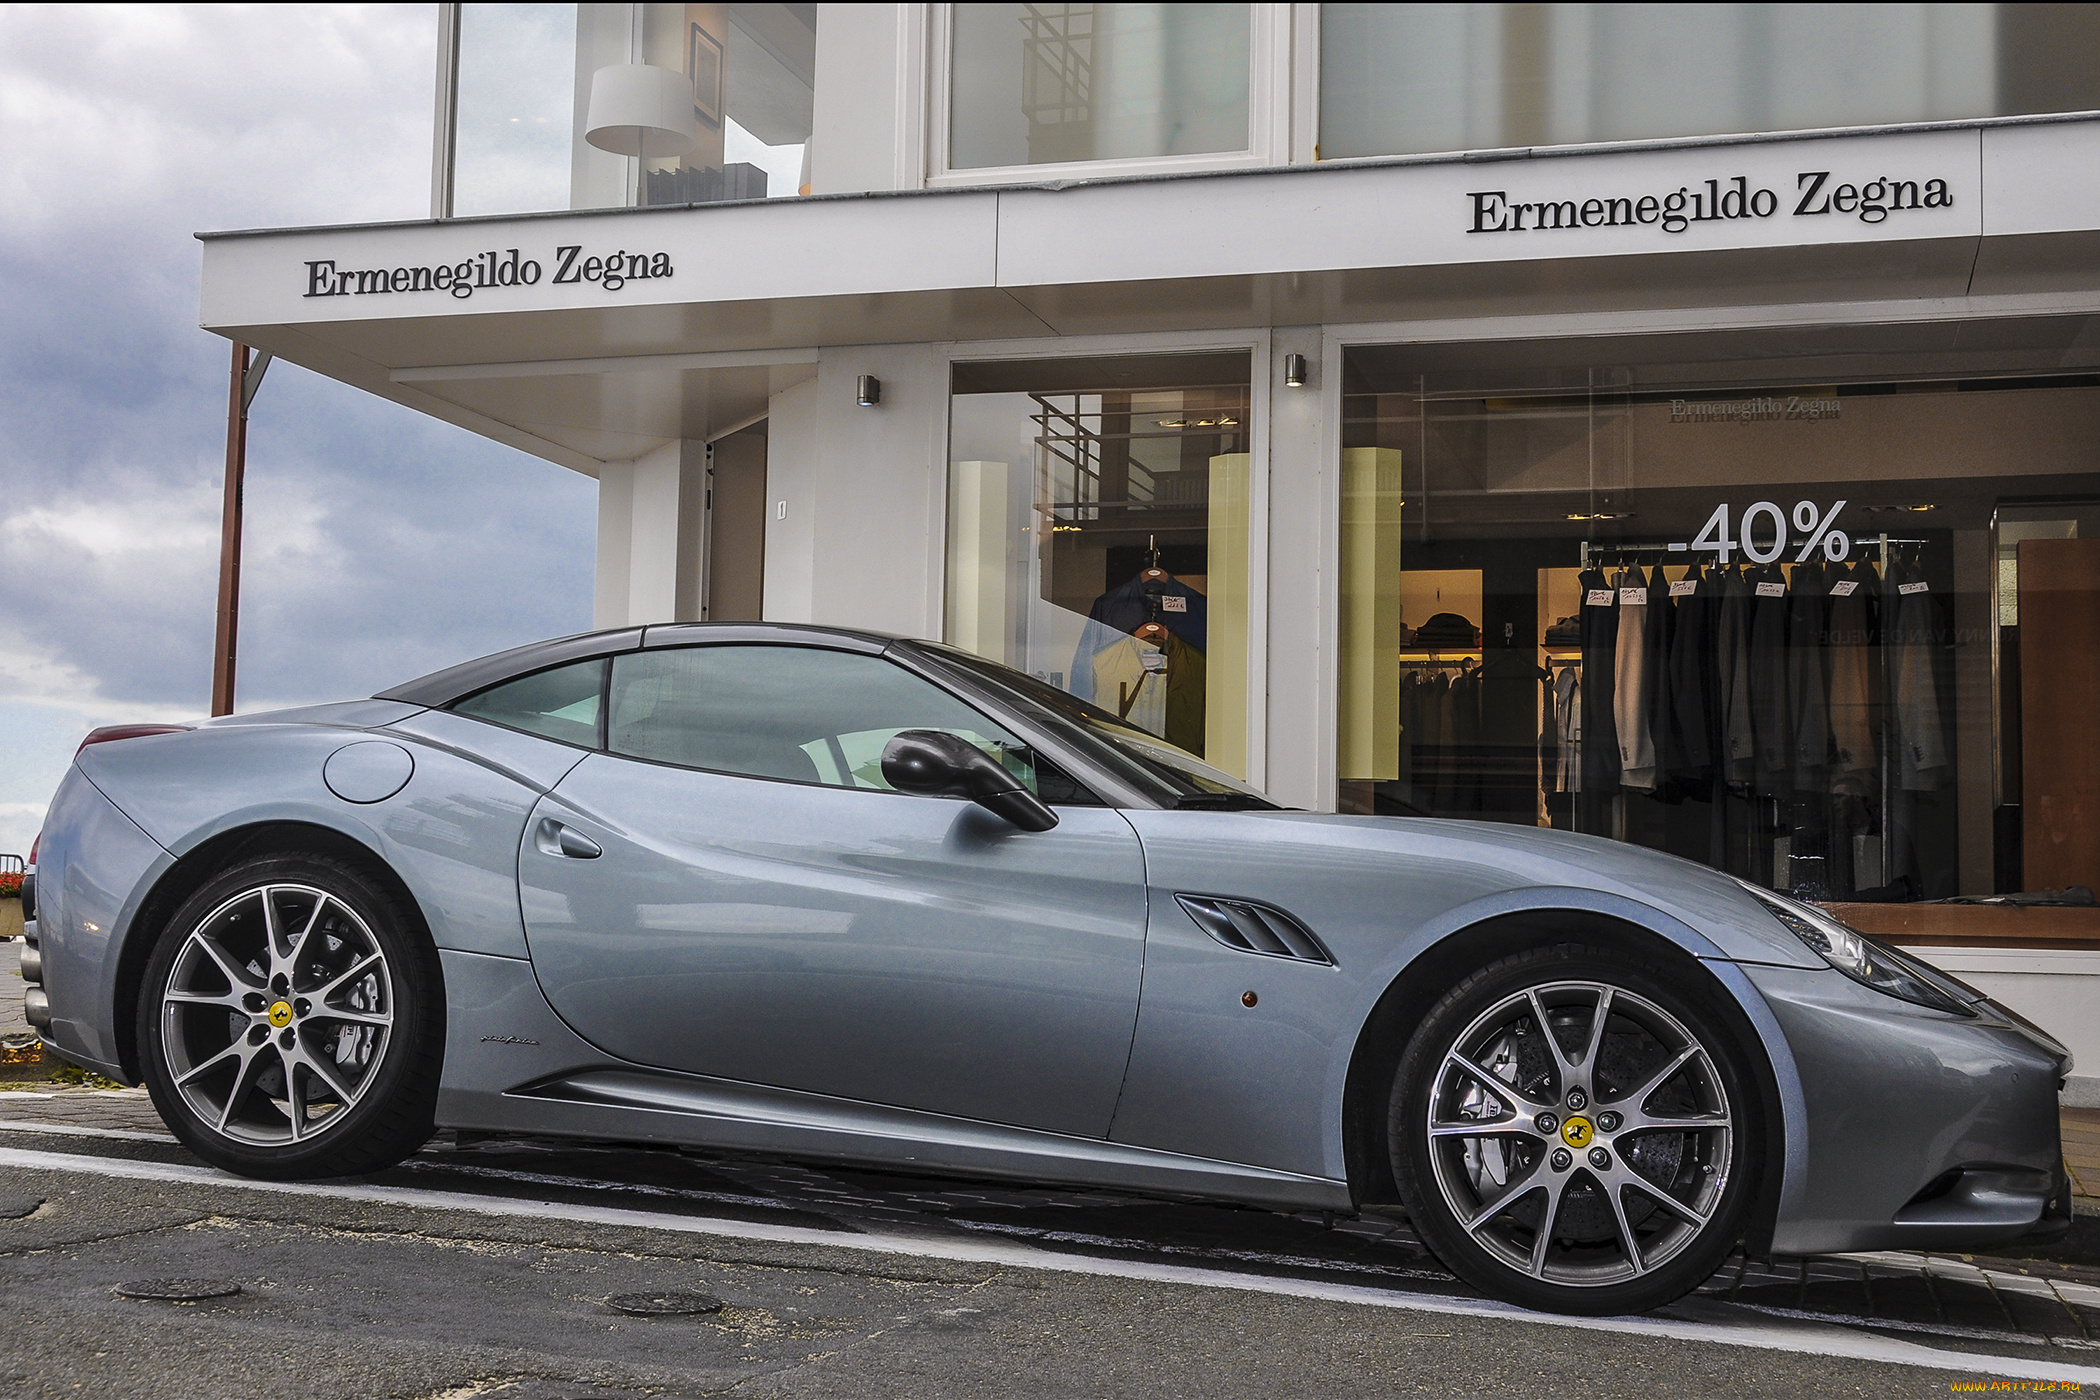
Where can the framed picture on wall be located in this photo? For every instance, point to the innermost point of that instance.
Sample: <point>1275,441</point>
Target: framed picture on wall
<point>704,62</point>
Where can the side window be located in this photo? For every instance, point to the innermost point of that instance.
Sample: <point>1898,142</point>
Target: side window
<point>558,704</point>
<point>803,714</point>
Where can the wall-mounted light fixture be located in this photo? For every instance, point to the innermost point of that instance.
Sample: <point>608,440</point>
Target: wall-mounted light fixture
<point>1294,371</point>
<point>867,391</point>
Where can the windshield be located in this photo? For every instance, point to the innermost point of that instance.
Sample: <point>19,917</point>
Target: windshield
<point>1173,776</point>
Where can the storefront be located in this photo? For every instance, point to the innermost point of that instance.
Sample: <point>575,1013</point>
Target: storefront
<point>1733,496</point>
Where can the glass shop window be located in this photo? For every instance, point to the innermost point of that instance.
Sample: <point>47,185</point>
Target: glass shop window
<point>1097,535</point>
<point>1400,79</point>
<point>1042,84</point>
<point>608,106</point>
<point>1771,626</point>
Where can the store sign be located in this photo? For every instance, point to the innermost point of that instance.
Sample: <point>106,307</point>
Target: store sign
<point>1793,408</point>
<point>487,271</point>
<point>1817,194</point>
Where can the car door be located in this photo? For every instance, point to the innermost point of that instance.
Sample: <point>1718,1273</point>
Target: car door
<point>729,888</point>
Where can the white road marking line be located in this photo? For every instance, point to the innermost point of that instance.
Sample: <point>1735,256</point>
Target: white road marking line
<point>1806,1339</point>
<point>23,1125</point>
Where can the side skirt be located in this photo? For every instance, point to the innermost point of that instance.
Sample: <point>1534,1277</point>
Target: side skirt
<point>500,1026</point>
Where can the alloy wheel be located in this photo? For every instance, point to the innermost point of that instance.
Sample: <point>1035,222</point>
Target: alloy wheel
<point>1579,1134</point>
<point>276,1015</point>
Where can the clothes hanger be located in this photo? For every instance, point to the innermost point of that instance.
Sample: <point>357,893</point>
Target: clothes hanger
<point>1154,632</point>
<point>1154,573</point>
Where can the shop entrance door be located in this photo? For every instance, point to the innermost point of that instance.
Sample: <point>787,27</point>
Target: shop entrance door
<point>736,545</point>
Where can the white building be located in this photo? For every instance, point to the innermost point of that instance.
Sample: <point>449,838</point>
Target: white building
<point>1376,328</point>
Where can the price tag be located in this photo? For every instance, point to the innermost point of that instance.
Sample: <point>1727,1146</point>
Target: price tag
<point>1771,590</point>
<point>1598,598</point>
<point>1684,588</point>
<point>1634,597</point>
<point>1906,589</point>
<point>1844,588</point>
<point>1172,603</point>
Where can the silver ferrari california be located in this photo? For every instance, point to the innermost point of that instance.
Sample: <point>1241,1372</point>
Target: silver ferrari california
<point>827,894</point>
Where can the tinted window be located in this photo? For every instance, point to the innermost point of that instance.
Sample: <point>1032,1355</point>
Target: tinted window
<point>560,704</point>
<point>798,713</point>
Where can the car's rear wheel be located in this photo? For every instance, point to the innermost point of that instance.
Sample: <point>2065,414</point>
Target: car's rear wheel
<point>1571,1133</point>
<point>291,1021</point>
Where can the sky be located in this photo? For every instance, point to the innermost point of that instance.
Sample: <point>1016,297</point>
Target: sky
<point>380,544</point>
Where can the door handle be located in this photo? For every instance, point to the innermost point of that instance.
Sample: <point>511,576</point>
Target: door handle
<point>554,839</point>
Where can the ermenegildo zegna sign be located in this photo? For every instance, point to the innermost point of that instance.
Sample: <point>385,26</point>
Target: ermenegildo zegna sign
<point>1816,194</point>
<point>487,270</point>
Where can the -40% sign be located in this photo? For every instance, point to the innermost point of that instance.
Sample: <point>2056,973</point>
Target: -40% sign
<point>1810,521</point>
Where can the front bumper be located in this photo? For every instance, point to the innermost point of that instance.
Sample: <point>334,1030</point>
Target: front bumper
<point>1924,1130</point>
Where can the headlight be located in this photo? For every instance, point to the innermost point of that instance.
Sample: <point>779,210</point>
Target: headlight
<point>1862,959</point>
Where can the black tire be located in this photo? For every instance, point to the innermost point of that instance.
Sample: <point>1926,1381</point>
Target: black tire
<point>302,1040</point>
<point>1571,1126</point>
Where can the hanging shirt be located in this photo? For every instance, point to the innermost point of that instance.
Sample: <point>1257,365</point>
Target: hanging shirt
<point>1631,686</point>
<point>1131,678</point>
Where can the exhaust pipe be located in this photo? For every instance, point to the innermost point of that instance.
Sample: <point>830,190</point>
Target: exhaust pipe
<point>36,1008</point>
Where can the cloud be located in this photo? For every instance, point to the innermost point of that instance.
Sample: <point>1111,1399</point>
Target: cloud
<point>379,544</point>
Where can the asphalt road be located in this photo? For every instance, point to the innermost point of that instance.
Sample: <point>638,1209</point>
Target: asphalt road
<point>483,1269</point>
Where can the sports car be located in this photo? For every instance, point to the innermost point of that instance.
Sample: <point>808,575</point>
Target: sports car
<point>833,895</point>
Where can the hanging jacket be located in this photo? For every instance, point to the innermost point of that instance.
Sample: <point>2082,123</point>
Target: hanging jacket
<point>1919,738</point>
<point>1738,755</point>
<point>1187,680</point>
<point>1808,689</point>
<point>1655,672</point>
<point>1851,682</point>
<point>1567,716</point>
<point>1774,768</point>
<point>1691,681</point>
<point>1600,733</point>
<point>1127,607</point>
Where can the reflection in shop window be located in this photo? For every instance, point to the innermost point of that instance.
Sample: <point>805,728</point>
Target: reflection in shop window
<point>1036,84</point>
<point>552,112</point>
<point>1097,536</point>
<point>1773,628</point>
<point>1397,79</point>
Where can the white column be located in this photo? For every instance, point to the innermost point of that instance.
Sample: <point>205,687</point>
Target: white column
<point>615,520</point>
<point>1303,525</point>
<point>651,524</point>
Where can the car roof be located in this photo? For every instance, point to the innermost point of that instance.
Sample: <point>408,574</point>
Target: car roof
<point>441,688</point>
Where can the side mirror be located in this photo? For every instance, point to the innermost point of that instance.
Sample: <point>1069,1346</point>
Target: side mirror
<point>933,763</point>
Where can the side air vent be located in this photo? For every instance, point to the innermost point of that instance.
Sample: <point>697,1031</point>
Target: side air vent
<point>1255,928</point>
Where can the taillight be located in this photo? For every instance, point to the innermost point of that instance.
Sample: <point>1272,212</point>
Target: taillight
<point>109,733</point>
<point>36,841</point>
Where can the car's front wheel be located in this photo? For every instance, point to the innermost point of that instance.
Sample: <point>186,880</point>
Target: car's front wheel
<point>1572,1133</point>
<point>291,1021</point>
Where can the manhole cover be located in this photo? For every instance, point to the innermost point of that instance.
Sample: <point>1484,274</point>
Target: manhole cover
<point>14,1207</point>
<point>176,1290</point>
<point>664,1304</point>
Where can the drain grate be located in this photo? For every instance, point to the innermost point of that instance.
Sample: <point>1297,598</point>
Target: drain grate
<point>176,1290</point>
<point>664,1304</point>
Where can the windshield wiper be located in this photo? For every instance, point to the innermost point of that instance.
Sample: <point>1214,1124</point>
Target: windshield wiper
<point>1224,802</point>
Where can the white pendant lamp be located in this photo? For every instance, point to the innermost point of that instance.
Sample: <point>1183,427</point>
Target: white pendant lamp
<point>639,109</point>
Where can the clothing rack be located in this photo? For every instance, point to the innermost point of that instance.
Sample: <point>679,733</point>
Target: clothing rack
<point>1593,553</point>
<point>1877,548</point>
